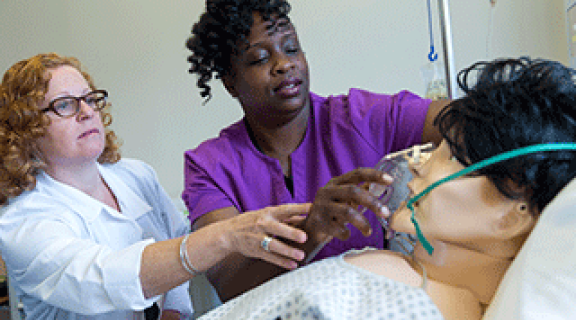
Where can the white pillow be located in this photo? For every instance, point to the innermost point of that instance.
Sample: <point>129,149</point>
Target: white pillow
<point>541,282</point>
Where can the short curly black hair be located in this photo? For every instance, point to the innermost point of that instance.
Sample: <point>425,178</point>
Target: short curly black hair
<point>510,104</point>
<point>219,33</point>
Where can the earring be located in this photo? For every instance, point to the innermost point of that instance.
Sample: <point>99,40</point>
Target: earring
<point>523,207</point>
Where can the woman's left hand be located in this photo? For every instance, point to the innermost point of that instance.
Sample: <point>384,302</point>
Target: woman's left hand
<point>336,205</point>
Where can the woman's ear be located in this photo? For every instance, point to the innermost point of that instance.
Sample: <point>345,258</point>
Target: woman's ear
<point>228,81</point>
<point>516,221</point>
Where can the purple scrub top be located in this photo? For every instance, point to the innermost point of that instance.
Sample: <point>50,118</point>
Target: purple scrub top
<point>344,132</point>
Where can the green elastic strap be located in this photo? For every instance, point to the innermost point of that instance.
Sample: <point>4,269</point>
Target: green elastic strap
<point>497,158</point>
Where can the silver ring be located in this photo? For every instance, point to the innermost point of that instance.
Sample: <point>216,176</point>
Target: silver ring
<point>265,244</point>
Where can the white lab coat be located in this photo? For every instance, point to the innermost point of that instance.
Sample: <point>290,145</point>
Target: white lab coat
<point>70,256</point>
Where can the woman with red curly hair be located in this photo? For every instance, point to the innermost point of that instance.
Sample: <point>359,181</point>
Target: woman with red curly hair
<point>23,85</point>
<point>87,234</point>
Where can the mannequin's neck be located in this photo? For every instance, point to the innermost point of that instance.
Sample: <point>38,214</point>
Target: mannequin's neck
<point>462,267</point>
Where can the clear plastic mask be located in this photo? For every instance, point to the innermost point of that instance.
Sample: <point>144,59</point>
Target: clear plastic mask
<point>397,165</point>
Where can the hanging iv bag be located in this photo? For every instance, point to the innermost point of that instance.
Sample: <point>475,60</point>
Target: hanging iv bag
<point>434,80</point>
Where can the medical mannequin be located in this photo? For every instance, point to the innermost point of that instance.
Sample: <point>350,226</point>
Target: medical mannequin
<point>475,223</point>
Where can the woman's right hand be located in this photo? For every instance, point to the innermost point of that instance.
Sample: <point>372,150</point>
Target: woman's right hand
<point>245,234</point>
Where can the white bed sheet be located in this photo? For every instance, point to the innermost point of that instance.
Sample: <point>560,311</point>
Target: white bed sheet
<point>541,282</point>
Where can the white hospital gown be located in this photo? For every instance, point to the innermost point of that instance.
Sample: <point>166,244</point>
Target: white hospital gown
<point>330,289</point>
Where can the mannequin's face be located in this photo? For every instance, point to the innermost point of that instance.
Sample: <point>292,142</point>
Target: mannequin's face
<point>464,211</point>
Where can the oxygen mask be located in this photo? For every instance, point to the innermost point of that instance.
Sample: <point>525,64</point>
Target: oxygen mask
<point>397,165</point>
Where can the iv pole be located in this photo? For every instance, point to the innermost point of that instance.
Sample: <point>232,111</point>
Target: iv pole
<point>452,85</point>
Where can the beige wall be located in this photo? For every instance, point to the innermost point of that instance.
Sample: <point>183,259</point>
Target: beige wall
<point>135,49</point>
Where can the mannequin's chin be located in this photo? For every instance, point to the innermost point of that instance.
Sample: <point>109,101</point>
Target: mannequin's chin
<point>400,221</point>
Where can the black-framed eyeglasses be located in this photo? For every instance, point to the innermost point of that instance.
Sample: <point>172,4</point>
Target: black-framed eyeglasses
<point>70,106</point>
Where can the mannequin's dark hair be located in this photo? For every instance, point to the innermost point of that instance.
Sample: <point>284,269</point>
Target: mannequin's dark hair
<point>220,32</point>
<point>509,104</point>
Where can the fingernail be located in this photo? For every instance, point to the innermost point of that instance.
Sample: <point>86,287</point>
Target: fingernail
<point>387,178</point>
<point>385,211</point>
<point>300,256</point>
<point>303,237</point>
<point>368,233</point>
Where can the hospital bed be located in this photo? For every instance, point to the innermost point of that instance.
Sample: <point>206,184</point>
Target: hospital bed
<point>540,283</point>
